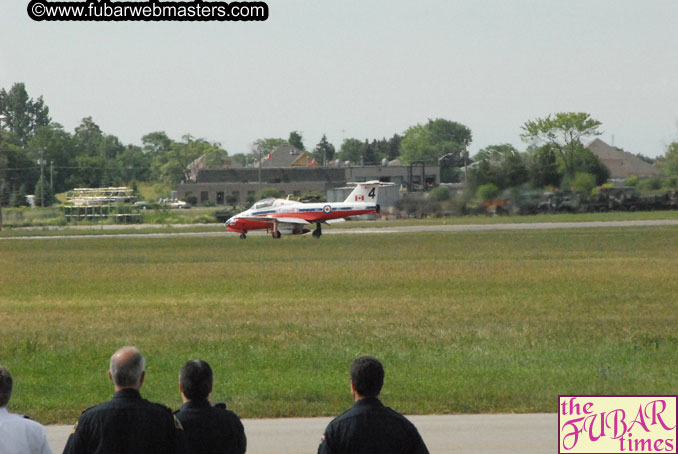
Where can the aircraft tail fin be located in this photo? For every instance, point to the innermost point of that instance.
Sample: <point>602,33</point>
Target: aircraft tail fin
<point>366,192</point>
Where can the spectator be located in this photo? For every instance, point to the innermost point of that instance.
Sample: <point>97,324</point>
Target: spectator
<point>18,434</point>
<point>126,424</point>
<point>369,426</point>
<point>208,429</point>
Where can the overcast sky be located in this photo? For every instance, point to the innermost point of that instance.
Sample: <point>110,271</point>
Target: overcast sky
<point>363,69</point>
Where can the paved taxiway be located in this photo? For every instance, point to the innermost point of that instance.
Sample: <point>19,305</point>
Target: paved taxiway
<point>444,434</point>
<point>375,230</point>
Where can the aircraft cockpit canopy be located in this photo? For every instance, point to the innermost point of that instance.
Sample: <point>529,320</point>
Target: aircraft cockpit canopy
<point>265,203</point>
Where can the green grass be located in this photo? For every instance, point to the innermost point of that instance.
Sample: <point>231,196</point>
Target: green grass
<point>465,322</point>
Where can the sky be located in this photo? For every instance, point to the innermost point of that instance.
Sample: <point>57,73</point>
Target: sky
<point>359,69</point>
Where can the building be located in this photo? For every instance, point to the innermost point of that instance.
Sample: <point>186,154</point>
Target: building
<point>294,173</point>
<point>201,163</point>
<point>286,155</point>
<point>622,164</point>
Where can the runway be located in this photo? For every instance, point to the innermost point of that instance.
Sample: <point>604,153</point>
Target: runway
<point>371,230</point>
<point>443,434</point>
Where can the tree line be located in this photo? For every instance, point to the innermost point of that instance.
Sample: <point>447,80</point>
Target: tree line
<point>38,156</point>
<point>35,149</point>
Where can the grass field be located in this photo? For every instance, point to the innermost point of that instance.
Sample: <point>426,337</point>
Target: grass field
<point>464,322</point>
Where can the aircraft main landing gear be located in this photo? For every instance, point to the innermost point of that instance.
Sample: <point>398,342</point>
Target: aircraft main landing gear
<point>243,236</point>
<point>318,231</point>
<point>276,235</point>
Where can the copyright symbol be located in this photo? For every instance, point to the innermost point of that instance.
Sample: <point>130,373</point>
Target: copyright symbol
<point>36,10</point>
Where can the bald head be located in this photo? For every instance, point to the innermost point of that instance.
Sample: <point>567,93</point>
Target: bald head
<point>127,368</point>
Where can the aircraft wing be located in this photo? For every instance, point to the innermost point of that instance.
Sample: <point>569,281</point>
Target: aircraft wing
<point>272,219</point>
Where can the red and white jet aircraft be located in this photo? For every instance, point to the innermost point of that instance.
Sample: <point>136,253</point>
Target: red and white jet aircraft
<point>283,216</point>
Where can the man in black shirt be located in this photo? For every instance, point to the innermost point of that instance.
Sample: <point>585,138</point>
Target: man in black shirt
<point>369,427</point>
<point>127,424</point>
<point>208,429</point>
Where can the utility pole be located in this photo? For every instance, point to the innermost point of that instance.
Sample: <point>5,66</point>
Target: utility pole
<point>2,182</point>
<point>260,159</point>
<point>465,153</point>
<point>51,176</point>
<point>42,178</point>
<point>2,187</point>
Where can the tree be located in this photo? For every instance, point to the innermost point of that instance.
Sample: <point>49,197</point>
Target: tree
<point>23,115</point>
<point>240,158</point>
<point>215,156</point>
<point>564,133</point>
<point>669,162</point>
<point>392,147</point>
<point>584,182</point>
<point>324,151</point>
<point>43,194</point>
<point>437,139</point>
<point>296,141</point>
<point>351,150</point>
<point>134,164</point>
<point>586,161</point>
<point>18,198</point>
<point>156,143</point>
<point>17,168</point>
<point>55,146</point>
<point>513,170</point>
<point>501,165</point>
<point>439,194</point>
<point>172,166</point>
<point>487,192</point>
<point>543,167</point>
<point>96,155</point>
<point>369,154</point>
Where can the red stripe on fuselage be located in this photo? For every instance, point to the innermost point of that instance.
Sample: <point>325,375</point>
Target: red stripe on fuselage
<point>243,225</point>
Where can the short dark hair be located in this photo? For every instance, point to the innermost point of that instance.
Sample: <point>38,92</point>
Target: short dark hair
<point>367,375</point>
<point>196,379</point>
<point>5,386</point>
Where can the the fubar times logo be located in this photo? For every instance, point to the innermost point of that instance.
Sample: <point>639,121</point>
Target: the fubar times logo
<point>617,424</point>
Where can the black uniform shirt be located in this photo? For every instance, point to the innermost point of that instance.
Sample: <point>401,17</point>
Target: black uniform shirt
<point>371,428</point>
<point>211,430</point>
<point>126,424</point>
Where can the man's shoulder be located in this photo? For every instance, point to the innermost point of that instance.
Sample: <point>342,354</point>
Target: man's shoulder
<point>113,405</point>
<point>162,408</point>
<point>218,410</point>
<point>397,416</point>
<point>343,417</point>
<point>380,412</point>
<point>21,419</point>
<point>34,426</point>
<point>94,409</point>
